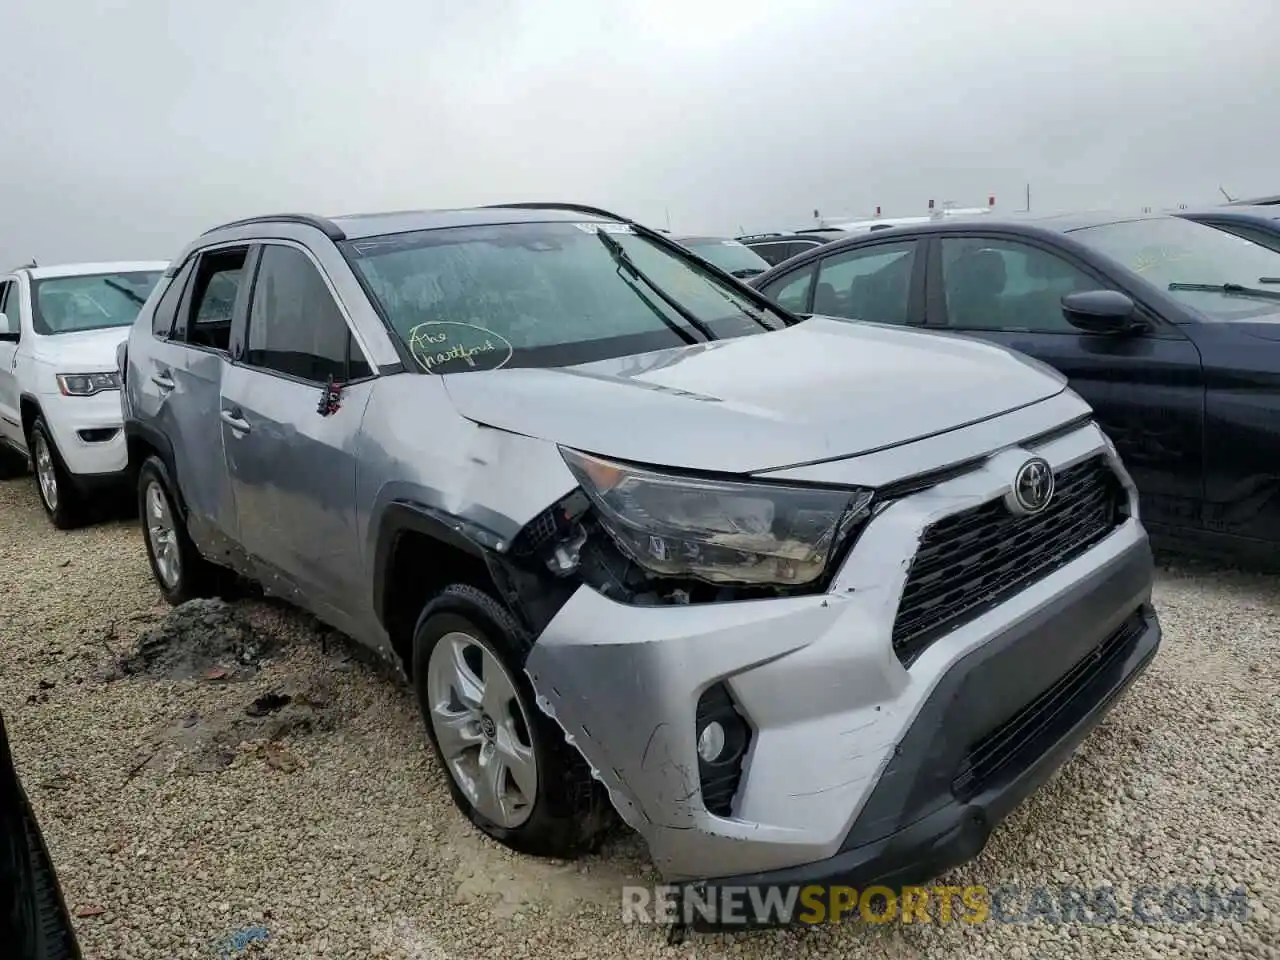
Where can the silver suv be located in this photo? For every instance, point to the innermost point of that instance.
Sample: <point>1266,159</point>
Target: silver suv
<point>799,599</point>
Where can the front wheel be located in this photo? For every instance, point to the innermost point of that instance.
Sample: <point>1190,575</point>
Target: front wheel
<point>58,493</point>
<point>509,768</point>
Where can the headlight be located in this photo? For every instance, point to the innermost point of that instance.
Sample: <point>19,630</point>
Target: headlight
<point>718,530</point>
<point>87,384</point>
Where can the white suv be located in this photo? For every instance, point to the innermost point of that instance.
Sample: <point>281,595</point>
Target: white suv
<point>59,390</point>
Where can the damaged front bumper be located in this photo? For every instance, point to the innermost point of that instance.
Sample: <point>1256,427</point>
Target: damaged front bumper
<point>857,763</point>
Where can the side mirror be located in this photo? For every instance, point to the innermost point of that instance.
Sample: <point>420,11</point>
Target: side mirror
<point>8,332</point>
<point>1102,311</point>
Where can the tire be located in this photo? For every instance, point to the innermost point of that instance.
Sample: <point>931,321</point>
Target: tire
<point>12,463</point>
<point>558,809</point>
<point>179,570</point>
<point>59,495</point>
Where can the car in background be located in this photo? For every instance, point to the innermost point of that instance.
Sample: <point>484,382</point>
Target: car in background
<point>1261,223</point>
<point>59,391</point>
<point>1169,328</point>
<point>474,439</point>
<point>34,922</point>
<point>777,247</point>
<point>731,256</point>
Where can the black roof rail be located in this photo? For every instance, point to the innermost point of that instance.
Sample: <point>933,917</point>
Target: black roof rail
<point>323,224</point>
<point>555,205</point>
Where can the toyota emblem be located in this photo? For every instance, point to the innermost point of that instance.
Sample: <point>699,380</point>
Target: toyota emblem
<point>1032,487</point>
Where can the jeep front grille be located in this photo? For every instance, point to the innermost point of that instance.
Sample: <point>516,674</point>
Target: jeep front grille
<point>970,561</point>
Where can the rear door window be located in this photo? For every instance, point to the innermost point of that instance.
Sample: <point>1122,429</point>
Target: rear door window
<point>215,289</point>
<point>867,283</point>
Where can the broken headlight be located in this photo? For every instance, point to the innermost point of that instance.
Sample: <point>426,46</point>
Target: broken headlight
<point>721,531</point>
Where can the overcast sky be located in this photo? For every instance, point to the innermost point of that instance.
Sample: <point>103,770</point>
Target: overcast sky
<point>128,127</point>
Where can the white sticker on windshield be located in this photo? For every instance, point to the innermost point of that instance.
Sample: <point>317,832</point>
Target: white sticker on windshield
<point>446,346</point>
<point>606,227</point>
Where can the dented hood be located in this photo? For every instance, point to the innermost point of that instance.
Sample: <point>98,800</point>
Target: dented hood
<point>818,390</point>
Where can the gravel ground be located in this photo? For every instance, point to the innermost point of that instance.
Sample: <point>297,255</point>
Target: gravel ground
<point>177,822</point>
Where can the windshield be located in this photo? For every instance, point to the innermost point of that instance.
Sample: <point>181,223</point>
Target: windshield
<point>90,301</point>
<point>730,256</point>
<point>1171,250</point>
<point>544,295</point>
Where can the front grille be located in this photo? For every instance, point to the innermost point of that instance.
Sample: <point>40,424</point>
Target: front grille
<point>970,561</point>
<point>1031,731</point>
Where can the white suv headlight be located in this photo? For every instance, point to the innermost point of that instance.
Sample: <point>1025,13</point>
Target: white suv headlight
<point>87,384</point>
<point>721,531</point>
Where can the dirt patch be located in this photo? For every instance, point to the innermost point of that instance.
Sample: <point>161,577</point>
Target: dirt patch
<point>200,639</point>
<point>209,741</point>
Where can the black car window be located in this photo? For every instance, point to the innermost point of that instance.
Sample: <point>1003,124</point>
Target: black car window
<point>1007,285</point>
<point>215,288</point>
<point>167,309</point>
<point>792,291</point>
<point>295,325</point>
<point>773,252</point>
<point>869,283</point>
<point>10,306</point>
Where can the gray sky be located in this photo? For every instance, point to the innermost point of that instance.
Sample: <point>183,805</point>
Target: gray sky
<point>130,127</point>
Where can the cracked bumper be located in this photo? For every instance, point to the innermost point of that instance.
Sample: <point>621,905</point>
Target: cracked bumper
<point>851,769</point>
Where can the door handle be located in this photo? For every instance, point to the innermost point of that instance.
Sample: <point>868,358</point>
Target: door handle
<point>233,420</point>
<point>162,380</point>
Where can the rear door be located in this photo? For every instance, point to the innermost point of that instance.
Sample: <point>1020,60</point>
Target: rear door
<point>291,457</point>
<point>10,413</point>
<point>1147,391</point>
<point>184,370</point>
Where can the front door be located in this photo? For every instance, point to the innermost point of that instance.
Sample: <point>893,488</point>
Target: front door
<point>291,456</point>
<point>1147,391</point>
<point>10,404</point>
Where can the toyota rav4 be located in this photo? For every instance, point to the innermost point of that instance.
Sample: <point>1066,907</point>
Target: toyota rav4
<point>799,599</point>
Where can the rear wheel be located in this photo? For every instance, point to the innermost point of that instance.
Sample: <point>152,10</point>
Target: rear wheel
<point>12,463</point>
<point>509,768</point>
<point>179,570</point>
<point>58,494</point>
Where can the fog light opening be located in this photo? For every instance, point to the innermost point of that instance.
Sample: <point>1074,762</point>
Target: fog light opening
<point>722,735</point>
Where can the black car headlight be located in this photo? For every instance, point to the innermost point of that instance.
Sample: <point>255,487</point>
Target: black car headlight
<point>721,531</point>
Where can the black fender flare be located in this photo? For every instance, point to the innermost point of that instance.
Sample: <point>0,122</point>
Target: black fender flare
<point>530,595</point>
<point>160,443</point>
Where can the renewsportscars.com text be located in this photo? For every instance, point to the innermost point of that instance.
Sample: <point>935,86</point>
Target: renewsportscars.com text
<point>936,904</point>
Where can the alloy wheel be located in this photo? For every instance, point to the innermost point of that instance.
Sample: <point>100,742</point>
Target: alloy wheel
<point>162,534</point>
<point>481,727</point>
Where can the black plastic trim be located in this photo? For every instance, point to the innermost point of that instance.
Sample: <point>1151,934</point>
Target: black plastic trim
<point>323,224</point>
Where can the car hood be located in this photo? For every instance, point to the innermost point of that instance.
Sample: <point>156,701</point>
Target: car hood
<point>85,351</point>
<point>1264,328</point>
<point>819,390</point>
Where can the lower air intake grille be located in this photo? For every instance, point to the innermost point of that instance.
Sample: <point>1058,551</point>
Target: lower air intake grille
<point>971,561</point>
<point>1045,718</point>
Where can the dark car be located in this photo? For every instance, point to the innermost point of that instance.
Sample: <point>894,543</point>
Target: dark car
<point>777,247</point>
<point>1260,223</point>
<point>730,256</point>
<point>33,916</point>
<point>1168,327</point>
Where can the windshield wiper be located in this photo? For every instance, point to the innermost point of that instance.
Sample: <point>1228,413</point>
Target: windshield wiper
<point>623,259</point>
<point>121,288</point>
<point>1228,289</point>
